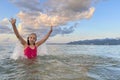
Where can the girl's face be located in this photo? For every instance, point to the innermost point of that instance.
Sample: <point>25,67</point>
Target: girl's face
<point>32,38</point>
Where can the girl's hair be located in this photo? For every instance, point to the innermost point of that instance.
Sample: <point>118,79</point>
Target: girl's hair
<point>28,42</point>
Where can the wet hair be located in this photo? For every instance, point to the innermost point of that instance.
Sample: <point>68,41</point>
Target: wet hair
<point>28,42</point>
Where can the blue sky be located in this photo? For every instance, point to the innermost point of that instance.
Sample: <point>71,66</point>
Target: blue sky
<point>103,23</point>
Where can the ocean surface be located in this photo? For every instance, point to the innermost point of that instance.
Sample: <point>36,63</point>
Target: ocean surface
<point>63,62</point>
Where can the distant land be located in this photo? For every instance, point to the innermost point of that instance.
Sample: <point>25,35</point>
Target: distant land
<point>106,41</point>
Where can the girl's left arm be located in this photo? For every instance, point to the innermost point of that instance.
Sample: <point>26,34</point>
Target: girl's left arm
<point>44,39</point>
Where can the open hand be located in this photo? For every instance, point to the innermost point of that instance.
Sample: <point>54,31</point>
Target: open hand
<point>12,21</point>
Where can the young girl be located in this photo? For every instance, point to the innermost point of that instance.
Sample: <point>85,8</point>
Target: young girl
<point>30,46</point>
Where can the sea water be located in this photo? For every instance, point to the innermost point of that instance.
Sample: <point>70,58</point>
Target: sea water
<point>62,62</point>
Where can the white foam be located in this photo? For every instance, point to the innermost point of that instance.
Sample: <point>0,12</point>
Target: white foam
<point>18,51</point>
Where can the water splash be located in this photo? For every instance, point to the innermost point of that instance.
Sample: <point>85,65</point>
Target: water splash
<point>18,51</point>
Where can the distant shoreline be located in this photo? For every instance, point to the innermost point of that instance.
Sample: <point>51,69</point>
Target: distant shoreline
<point>106,41</point>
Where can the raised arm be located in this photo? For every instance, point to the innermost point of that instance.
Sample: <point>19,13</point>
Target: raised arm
<point>44,39</point>
<point>13,21</point>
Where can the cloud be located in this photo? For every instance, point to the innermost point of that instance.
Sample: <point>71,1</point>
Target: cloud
<point>64,30</point>
<point>27,5</point>
<point>37,16</point>
<point>4,21</point>
<point>4,26</point>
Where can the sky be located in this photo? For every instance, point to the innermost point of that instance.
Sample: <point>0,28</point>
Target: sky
<point>72,20</point>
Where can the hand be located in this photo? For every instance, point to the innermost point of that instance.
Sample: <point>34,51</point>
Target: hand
<point>12,21</point>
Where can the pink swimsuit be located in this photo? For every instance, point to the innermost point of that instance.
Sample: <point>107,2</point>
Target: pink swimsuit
<point>30,53</point>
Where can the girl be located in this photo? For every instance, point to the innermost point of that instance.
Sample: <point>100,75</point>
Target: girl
<point>30,46</point>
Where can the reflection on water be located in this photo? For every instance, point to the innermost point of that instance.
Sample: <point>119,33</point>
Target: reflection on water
<point>65,62</point>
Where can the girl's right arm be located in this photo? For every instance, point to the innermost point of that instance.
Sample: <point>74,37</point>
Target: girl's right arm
<point>13,21</point>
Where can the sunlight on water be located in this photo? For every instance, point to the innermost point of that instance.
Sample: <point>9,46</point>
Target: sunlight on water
<point>63,62</point>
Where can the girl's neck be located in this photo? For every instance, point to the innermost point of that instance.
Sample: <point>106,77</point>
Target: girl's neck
<point>31,45</point>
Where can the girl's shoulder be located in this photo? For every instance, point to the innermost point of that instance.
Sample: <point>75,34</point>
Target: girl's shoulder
<point>25,46</point>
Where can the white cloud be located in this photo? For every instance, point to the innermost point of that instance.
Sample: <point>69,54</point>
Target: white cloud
<point>4,26</point>
<point>25,5</point>
<point>4,22</point>
<point>7,38</point>
<point>36,16</point>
